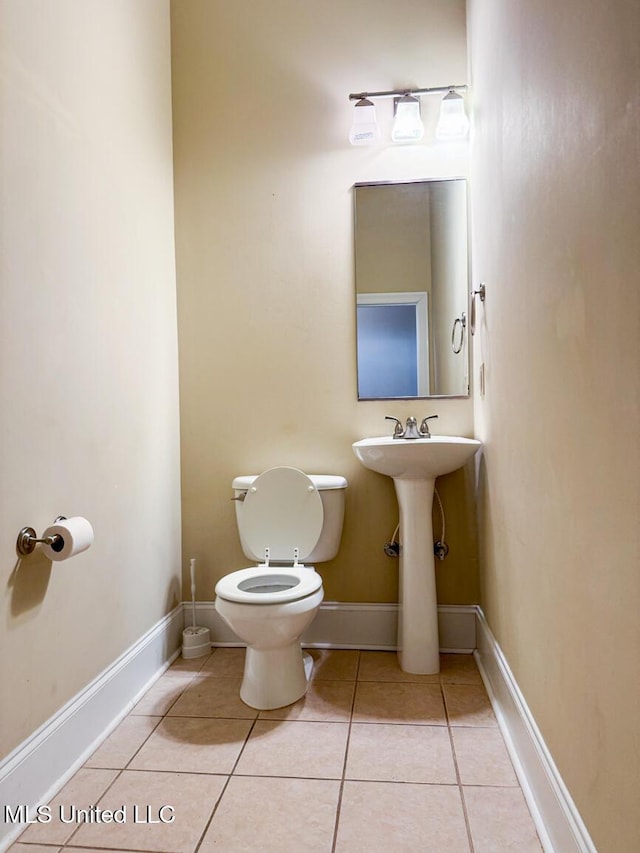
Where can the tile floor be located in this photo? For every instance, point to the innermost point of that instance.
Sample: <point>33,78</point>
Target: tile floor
<point>372,760</point>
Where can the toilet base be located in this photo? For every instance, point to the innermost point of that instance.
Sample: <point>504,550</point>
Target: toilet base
<point>274,678</point>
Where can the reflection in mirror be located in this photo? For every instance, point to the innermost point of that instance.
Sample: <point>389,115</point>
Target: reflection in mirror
<point>411,251</point>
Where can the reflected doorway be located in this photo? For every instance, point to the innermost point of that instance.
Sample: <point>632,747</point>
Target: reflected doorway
<point>393,345</point>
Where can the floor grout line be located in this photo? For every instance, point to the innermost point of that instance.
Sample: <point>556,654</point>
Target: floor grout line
<point>457,771</point>
<point>224,788</point>
<point>103,794</point>
<point>160,721</point>
<point>336,822</point>
<point>112,849</point>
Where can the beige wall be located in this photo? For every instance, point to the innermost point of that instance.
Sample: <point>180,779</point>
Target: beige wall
<point>88,360</point>
<point>450,275</point>
<point>393,239</point>
<point>264,177</point>
<point>556,223</point>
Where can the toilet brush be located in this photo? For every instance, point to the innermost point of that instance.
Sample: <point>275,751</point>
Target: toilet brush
<point>196,641</point>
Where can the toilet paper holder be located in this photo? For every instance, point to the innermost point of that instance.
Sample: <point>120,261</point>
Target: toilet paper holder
<point>27,539</point>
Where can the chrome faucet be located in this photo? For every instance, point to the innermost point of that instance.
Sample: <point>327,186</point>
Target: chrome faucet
<point>411,429</point>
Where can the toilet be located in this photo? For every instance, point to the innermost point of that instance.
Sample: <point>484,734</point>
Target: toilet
<point>287,521</point>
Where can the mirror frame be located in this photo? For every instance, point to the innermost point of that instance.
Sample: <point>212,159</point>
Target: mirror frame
<point>439,179</point>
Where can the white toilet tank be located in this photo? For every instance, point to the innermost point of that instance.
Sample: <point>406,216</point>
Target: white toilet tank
<point>331,489</point>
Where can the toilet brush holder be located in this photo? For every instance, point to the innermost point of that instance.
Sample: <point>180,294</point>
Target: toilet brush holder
<point>196,642</point>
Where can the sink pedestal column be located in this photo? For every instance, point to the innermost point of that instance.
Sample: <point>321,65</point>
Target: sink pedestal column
<point>418,644</point>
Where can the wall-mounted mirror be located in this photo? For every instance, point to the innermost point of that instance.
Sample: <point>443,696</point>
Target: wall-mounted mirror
<point>412,284</point>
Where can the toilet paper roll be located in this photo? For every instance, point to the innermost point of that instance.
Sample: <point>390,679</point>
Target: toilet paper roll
<point>75,535</point>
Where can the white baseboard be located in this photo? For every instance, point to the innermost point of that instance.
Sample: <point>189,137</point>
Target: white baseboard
<point>344,625</point>
<point>557,819</point>
<point>37,769</point>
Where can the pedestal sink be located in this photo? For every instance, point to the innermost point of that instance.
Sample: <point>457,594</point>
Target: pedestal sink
<point>414,465</point>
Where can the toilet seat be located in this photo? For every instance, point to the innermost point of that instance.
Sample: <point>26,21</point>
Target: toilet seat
<point>282,511</point>
<point>268,584</point>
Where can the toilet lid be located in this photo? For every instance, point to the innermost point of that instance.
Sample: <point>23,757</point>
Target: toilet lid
<point>282,511</point>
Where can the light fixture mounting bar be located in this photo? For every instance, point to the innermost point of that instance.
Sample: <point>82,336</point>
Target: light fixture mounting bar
<point>398,93</point>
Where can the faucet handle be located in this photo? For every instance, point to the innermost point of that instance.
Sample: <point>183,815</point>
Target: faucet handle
<point>398,430</point>
<point>424,426</point>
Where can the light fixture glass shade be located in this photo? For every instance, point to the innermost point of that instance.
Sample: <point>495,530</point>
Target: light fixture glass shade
<point>453,122</point>
<point>407,125</point>
<point>365,129</point>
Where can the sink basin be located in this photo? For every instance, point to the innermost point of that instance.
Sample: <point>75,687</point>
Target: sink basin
<point>414,465</point>
<point>415,459</point>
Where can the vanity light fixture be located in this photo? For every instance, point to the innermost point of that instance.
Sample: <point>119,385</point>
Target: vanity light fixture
<point>407,126</point>
<point>365,129</point>
<point>453,122</point>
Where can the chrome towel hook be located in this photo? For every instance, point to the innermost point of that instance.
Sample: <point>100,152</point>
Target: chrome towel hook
<point>481,292</point>
<point>462,321</point>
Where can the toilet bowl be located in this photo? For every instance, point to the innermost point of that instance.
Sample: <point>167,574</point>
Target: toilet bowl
<point>285,519</point>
